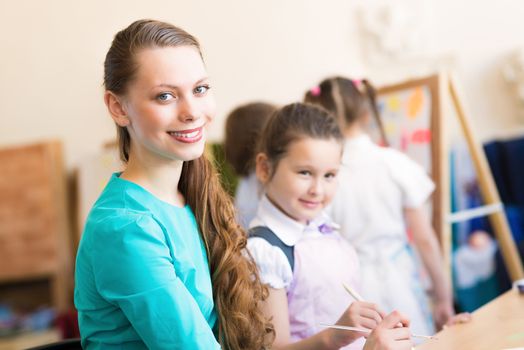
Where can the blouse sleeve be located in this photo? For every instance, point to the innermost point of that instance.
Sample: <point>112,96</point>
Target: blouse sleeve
<point>272,263</point>
<point>416,186</point>
<point>135,271</point>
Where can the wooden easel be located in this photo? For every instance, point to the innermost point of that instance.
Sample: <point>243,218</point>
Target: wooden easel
<point>444,93</point>
<point>492,204</point>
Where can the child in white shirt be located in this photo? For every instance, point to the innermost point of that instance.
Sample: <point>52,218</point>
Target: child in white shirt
<point>381,195</point>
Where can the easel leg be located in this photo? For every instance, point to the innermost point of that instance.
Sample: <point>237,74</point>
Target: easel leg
<point>489,191</point>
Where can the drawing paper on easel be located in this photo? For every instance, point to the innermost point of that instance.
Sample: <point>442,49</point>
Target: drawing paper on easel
<point>406,118</point>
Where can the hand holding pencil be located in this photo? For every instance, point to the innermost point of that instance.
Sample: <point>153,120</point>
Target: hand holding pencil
<point>362,317</point>
<point>357,297</point>
<point>387,336</point>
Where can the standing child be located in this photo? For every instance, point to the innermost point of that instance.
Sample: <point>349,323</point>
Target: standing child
<point>381,196</point>
<point>161,264</point>
<point>243,127</point>
<point>295,245</point>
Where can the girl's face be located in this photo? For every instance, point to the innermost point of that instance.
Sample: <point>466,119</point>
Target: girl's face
<point>168,105</point>
<point>304,180</point>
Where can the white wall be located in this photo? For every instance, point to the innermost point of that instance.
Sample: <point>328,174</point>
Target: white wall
<point>52,53</point>
<point>481,35</point>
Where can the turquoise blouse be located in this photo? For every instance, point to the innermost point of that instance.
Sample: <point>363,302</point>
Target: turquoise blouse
<point>142,277</point>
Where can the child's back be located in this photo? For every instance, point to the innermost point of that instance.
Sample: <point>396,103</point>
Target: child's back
<point>376,184</point>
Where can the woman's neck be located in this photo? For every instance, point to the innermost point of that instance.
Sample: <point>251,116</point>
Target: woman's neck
<point>159,179</point>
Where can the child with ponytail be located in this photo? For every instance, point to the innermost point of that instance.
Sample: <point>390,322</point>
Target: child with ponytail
<point>381,196</point>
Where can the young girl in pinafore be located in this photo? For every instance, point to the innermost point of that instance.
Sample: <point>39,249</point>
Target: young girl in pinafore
<point>296,246</point>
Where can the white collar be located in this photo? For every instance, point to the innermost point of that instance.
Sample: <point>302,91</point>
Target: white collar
<point>289,231</point>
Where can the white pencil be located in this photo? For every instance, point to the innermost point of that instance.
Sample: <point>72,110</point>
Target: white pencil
<point>367,331</point>
<point>357,297</point>
<point>352,292</point>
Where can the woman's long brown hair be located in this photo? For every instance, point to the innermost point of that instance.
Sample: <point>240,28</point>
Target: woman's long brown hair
<point>237,290</point>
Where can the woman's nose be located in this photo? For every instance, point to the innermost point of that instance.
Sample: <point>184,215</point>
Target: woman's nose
<point>188,111</point>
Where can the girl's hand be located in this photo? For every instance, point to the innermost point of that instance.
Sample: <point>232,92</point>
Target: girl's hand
<point>359,314</point>
<point>463,317</point>
<point>442,313</point>
<point>388,336</point>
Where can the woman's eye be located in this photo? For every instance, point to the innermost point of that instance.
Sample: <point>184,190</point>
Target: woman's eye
<point>202,89</point>
<point>166,96</point>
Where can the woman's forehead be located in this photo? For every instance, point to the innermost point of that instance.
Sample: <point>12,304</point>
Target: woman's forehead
<point>177,66</point>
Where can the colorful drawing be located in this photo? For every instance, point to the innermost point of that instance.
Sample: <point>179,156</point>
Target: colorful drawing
<point>390,128</point>
<point>393,103</point>
<point>404,141</point>
<point>406,118</point>
<point>415,103</point>
<point>421,136</point>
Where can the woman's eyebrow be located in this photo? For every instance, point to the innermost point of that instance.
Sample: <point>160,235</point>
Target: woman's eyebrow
<point>174,87</point>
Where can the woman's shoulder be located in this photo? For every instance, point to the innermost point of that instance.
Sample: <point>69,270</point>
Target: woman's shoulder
<point>120,193</point>
<point>117,208</point>
<point>114,222</point>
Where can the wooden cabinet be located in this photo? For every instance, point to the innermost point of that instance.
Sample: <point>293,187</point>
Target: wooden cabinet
<point>34,224</point>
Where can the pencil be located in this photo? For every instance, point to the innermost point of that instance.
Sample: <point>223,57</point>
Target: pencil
<point>367,331</point>
<point>358,297</point>
<point>352,292</point>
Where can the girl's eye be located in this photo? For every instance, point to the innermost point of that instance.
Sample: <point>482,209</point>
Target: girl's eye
<point>305,172</point>
<point>201,89</point>
<point>166,96</point>
<point>330,175</point>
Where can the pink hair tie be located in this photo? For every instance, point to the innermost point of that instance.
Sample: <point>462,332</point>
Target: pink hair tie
<point>357,83</point>
<point>315,91</point>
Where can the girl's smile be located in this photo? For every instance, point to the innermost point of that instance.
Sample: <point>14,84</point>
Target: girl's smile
<point>304,180</point>
<point>310,204</point>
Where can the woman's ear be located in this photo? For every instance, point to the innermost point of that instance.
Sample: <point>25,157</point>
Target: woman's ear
<point>116,109</point>
<point>263,168</point>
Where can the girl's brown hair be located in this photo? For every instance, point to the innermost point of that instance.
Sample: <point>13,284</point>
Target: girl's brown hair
<point>348,100</point>
<point>243,128</point>
<point>237,290</point>
<point>292,123</point>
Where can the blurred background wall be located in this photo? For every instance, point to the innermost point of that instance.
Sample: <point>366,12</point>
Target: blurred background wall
<point>52,54</point>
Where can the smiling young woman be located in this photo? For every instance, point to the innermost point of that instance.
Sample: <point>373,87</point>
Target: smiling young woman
<point>162,263</point>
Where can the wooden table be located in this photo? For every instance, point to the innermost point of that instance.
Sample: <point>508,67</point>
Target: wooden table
<point>29,339</point>
<point>497,325</point>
